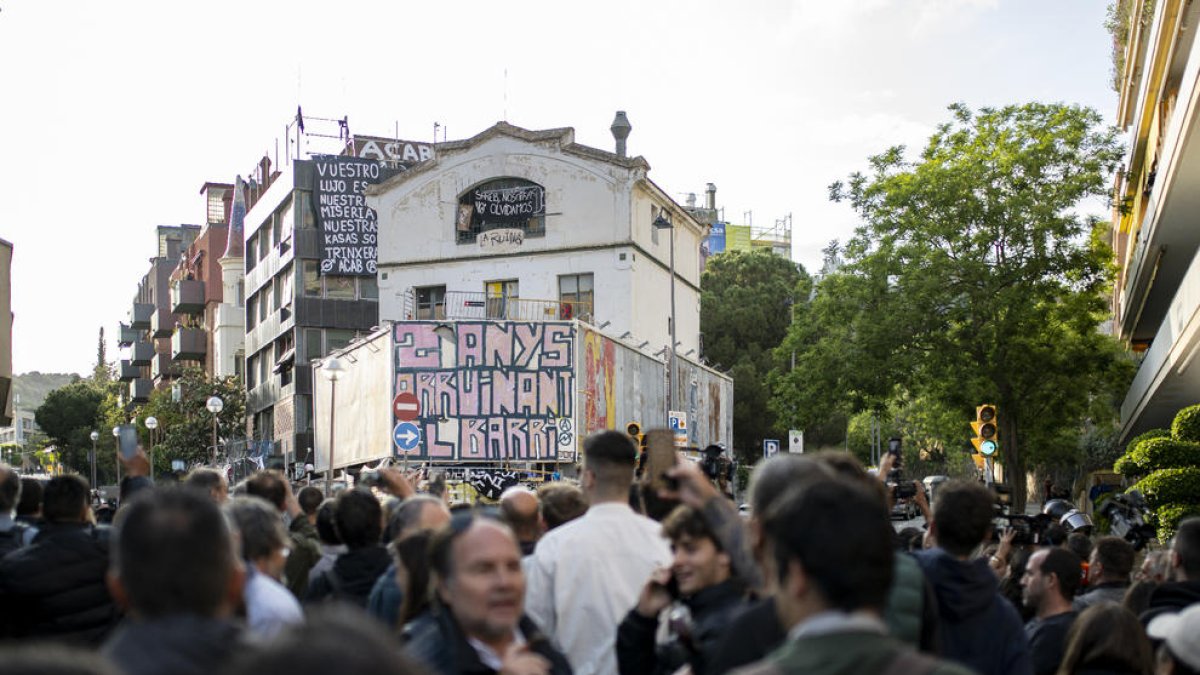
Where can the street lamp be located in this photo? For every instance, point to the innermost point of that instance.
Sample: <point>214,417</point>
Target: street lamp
<point>95,436</point>
<point>662,223</point>
<point>117,436</point>
<point>333,370</point>
<point>215,405</point>
<point>151,424</point>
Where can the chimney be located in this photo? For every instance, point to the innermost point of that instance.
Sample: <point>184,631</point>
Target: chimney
<point>691,200</point>
<point>710,193</point>
<point>620,130</point>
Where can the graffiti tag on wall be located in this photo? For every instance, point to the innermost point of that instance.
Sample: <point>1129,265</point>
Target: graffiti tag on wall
<point>489,390</point>
<point>599,393</point>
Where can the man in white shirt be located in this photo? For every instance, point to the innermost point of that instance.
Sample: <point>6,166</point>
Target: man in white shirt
<point>269,605</point>
<point>585,576</point>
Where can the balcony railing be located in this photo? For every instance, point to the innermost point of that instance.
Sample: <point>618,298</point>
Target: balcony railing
<point>139,390</point>
<point>162,366</point>
<point>141,353</point>
<point>139,315</point>
<point>189,344</point>
<point>126,371</point>
<point>466,305</point>
<point>187,296</point>
<point>162,323</point>
<point>127,335</point>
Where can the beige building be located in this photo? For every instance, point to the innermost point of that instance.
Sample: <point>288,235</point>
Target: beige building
<point>1156,301</point>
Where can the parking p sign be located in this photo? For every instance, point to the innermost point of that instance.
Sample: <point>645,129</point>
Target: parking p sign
<point>770,447</point>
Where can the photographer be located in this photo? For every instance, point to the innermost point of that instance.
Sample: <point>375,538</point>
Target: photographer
<point>695,597</point>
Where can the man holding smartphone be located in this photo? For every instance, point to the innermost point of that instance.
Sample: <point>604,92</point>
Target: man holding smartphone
<point>700,578</point>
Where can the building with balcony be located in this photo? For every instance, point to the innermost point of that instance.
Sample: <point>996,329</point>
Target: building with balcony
<point>1156,236</point>
<point>298,309</point>
<point>147,334</point>
<point>516,224</point>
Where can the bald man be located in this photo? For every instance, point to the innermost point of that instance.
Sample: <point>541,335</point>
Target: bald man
<point>520,508</point>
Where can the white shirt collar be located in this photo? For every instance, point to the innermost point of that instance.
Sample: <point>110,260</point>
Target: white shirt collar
<point>488,656</point>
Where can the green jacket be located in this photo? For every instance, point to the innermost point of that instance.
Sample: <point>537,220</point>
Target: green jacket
<point>305,553</point>
<point>850,653</point>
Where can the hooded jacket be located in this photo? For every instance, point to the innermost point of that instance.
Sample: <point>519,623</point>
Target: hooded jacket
<point>1171,597</point>
<point>977,626</point>
<point>352,577</point>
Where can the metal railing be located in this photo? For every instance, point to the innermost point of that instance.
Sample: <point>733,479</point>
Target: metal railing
<point>482,306</point>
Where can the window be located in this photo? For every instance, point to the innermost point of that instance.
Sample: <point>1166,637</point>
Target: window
<point>252,312</point>
<point>239,364</point>
<point>251,372</point>
<point>281,225</point>
<point>251,252</point>
<point>302,421</point>
<point>264,240</point>
<point>339,287</point>
<point>264,297</point>
<point>575,294</point>
<point>264,365</point>
<point>431,302</point>
<point>368,288</point>
<point>498,295</point>
<point>312,281</point>
<point>335,339</point>
<point>277,294</point>
<point>306,219</point>
<point>312,344</point>
<point>498,204</point>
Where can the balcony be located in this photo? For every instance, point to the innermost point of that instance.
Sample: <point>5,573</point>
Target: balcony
<point>162,324</point>
<point>163,367</point>
<point>141,353</point>
<point>127,335</point>
<point>126,371</point>
<point>139,315</point>
<point>187,296</point>
<point>466,305</point>
<point>189,344</point>
<point>139,390</point>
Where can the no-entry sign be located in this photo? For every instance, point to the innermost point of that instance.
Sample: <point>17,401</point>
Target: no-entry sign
<point>405,406</point>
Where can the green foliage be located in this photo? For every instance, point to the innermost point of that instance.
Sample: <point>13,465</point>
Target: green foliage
<point>1119,25</point>
<point>1168,487</point>
<point>33,387</point>
<point>1169,517</point>
<point>1153,433</point>
<point>1186,425</point>
<point>745,308</point>
<point>972,279</point>
<point>68,416</point>
<point>1153,454</point>
<point>185,426</point>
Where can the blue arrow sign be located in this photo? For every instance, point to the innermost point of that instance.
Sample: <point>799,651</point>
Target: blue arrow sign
<point>406,435</point>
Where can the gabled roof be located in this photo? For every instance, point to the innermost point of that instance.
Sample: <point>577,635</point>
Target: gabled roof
<point>563,137</point>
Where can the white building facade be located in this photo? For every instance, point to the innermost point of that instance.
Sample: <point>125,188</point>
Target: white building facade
<point>529,225</point>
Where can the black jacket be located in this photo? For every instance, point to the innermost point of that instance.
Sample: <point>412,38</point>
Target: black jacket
<point>979,628</point>
<point>711,610</point>
<point>749,637</point>
<point>176,645</point>
<point>435,639</point>
<point>1048,641</point>
<point>352,577</point>
<point>54,588</point>
<point>1171,597</point>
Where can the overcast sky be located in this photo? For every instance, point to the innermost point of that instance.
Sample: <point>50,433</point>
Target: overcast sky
<point>113,114</point>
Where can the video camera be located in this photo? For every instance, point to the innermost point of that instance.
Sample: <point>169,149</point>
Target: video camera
<point>1126,514</point>
<point>1028,530</point>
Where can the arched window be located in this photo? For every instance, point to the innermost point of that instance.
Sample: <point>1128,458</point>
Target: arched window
<point>502,203</point>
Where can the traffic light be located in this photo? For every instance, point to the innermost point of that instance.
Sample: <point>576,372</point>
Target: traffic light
<point>635,432</point>
<point>987,430</point>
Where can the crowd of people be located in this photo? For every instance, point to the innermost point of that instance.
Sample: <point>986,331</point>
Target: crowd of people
<point>600,576</point>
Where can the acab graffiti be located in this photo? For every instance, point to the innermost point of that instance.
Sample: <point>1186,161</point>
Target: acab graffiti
<point>489,390</point>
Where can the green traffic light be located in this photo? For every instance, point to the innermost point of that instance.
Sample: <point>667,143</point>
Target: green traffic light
<point>987,448</point>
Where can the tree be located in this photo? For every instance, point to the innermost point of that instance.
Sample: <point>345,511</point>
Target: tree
<point>185,425</point>
<point>101,371</point>
<point>973,280</point>
<point>745,307</point>
<point>68,416</point>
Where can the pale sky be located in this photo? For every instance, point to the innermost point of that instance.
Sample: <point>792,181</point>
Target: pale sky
<point>113,114</point>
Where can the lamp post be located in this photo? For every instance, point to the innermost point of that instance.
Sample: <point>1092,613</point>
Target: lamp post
<point>95,436</point>
<point>663,224</point>
<point>117,436</point>
<point>215,405</point>
<point>333,370</point>
<point>151,424</point>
